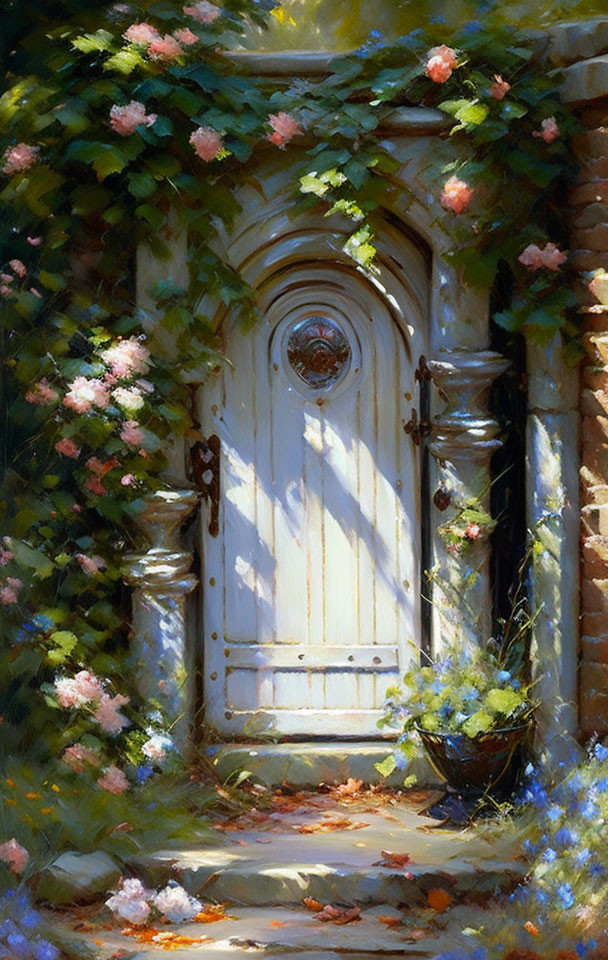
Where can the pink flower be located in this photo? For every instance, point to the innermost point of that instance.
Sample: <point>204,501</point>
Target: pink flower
<point>456,195</point>
<point>4,290</point>
<point>126,120</point>
<point>203,11</point>
<point>36,292</point>
<point>186,36</point>
<point>472,531</point>
<point>94,485</point>
<point>5,556</point>
<point>34,241</point>
<point>83,394</point>
<point>500,87</point>
<point>18,267</point>
<point>207,143</point>
<point>95,465</point>
<point>141,33</point>
<point>82,688</point>
<point>41,393</point>
<point>8,595</point>
<point>441,62</point>
<point>77,757</point>
<point>107,713</point>
<point>68,448</point>
<point>114,780</point>
<point>15,855</point>
<point>550,256</point>
<point>284,127</point>
<point>76,508</point>
<point>164,48</point>
<point>91,565</point>
<point>6,277</point>
<point>127,480</point>
<point>549,130</point>
<point>130,903</point>
<point>19,158</point>
<point>131,433</point>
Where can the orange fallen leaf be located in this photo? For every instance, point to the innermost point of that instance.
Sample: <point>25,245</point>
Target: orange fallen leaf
<point>311,904</point>
<point>531,928</point>
<point>338,915</point>
<point>418,933</point>
<point>164,938</point>
<point>277,923</point>
<point>348,789</point>
<point>390,922</point>
<point>329,825</point>
<point>393,859</point>
<point>439,900</point>
<point>211,913</point>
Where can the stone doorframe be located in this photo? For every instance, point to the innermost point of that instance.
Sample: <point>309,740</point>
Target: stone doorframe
<point>463,441</point>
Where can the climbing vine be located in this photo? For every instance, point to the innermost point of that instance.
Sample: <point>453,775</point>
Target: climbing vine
<point>120,127</point>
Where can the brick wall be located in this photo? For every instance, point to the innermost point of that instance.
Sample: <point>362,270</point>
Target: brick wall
<point>589,241</point>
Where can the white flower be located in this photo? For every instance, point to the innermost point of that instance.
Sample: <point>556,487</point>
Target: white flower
<point>156,747</point>
<point>130,903</point>
<point>129,398</point>
<point>175,904</point>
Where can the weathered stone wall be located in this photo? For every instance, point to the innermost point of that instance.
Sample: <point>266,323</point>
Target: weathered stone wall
<point>586,87</point>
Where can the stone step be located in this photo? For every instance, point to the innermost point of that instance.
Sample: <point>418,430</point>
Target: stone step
<point>311,763</point>
<point>272,862</point>
<point>279,932</point>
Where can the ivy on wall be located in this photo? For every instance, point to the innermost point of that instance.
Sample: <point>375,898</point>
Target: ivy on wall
<point>116,118</point>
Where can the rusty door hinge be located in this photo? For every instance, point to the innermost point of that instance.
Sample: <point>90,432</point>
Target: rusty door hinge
<point>205,456</point>
<point>417,429</point>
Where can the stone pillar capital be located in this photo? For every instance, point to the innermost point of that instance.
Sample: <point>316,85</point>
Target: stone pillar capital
<point>163,569</point>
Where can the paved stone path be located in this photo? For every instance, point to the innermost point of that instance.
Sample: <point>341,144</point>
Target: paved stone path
<point>328,848</point>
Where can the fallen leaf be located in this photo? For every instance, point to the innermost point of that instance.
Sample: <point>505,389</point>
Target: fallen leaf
<point>338,915</point>
<point>211,913</point>
<point>311,904</point>
<point>389,921</point>
<point>277,923</point>
<point>329,825</point>
<point>439,900</point>
<point>360,843</point>
<point>531,928</point>
<point>164,938</point>
<point>348,789</point>
<point>390,859</point>
<point>418,933</point>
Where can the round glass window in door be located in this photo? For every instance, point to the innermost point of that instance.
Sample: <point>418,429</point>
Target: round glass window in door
<point>319,352</point>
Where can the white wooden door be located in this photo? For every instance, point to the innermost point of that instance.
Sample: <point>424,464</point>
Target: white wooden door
<point>311,585</point>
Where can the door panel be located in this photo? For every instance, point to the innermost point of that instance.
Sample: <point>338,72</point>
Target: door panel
<point>311,588</point>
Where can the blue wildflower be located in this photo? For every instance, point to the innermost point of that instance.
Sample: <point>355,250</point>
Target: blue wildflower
<point>589,810</point>
<point>375,34</point>
<point>470,693</point>
<point>504,676</point>
<point>43,950</point>
<point>143,773</point>
<point>566,837</point>
<point>564,892</point>
<point>602,785</point>
<point>583,855</point>
<point>596,870</point>
<point>600,752</point>
<point>555,813</point>
<point>550,855</point>
<point>43,622</point>
<point>19,945</point>
<point>30,918</point>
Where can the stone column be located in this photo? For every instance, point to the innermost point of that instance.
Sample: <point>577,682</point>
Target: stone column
<point>463,441</point>
<point>161,579</point>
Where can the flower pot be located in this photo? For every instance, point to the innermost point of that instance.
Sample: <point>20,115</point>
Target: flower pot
<point>488,763</point>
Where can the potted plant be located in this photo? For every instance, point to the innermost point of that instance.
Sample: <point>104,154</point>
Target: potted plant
<point>471,716</point>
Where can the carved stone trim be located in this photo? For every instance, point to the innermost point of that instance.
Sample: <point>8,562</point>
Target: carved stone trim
<point>163,570</point>
<point>464,431</point>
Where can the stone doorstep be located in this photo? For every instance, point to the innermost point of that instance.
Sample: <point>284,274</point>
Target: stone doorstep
<point>280,866</point>
<point>311,763</point>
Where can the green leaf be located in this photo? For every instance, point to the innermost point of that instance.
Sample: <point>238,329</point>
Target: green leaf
<point>503,701</point>
<point>125,61</point>
<point>467,112</point>
<point>410,781</point>
<point>111,160</point>
<point>101,40</point>
<point>35,559</point>
<point>386,766</point>
<point>64,642</point>
<point>477,723</point>
<point>52,281</point>
<point>141,185</point>
<point>152,214</point>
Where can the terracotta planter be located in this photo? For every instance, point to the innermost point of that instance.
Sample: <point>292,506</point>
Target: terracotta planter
<point>489,763</point>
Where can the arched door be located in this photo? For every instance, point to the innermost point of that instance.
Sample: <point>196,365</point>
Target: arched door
<point>311,576</point>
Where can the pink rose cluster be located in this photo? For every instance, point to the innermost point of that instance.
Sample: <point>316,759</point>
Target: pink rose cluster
<point>16,856</point>
<point>19,158</point>
<point>131,433</point>
<point>113,780</point>
<point>203,12</point>
<point>441,63</point>
<point>41,393</point>
<point>161,48</point>
<point>78,757</point>
<point>284,128</point>
<point>9,590</point>
<point>6,279</point>
<point>456,195</point>
<point>85,689</point>
<point>5,556</point>
<point>67,448</point>
<point>549,130</point>
<point>132,903</point>
<point>500,87</point>
<point>91,565</point>
<point>126,120</point>
<point>207,143</point>
<point>535,257</point>
<point>85,393</point>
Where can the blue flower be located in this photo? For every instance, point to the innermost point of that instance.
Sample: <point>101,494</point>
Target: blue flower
<point>564,892</point>
<point>596,870</point>
<point>583,855</point>
<point>504,676</point>
<point>43,622</point>
<point>43,950</point>
<point>550,855</point>
<point>600,752</point>
<point>29,918</point>
<point>555,813</point>
<point>375,34</point>
<point>470,693</point>
<point>437,686</point>
<point>602,785</point>
<point>589,810</point>
<point>566,837</point>
<point>19,945</point>
<point>143,773</point>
